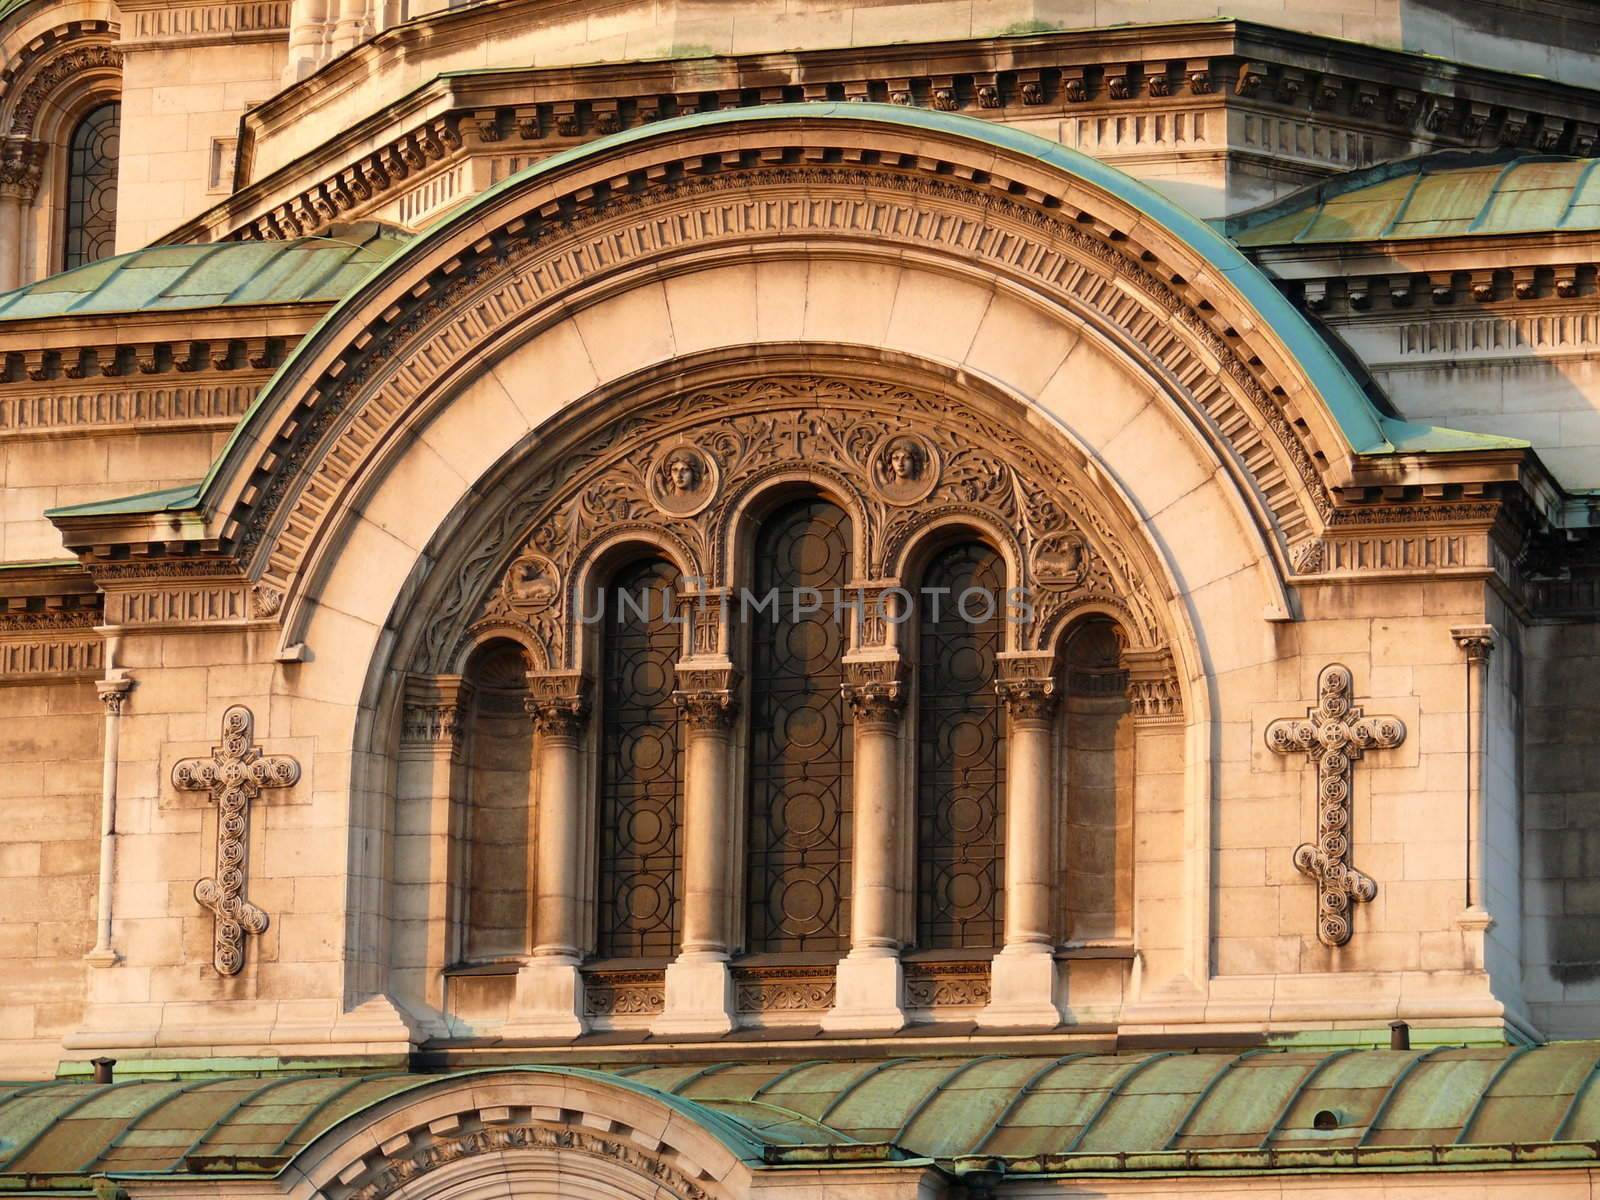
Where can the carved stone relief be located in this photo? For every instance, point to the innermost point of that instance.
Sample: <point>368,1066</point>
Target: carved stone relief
<point>677,471</point>
<point>234,775</point>
<point>496,288</point>
<point>1334,735</point>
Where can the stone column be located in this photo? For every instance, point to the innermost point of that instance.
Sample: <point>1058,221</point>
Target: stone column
<point>699,985</point>
<point>549,996</point>
<point>869,981</point>
<point>1477,644</point>
<point>1024,983</point>
<point>21,168</point>
<point>429,791</point>
<point>112,693</point>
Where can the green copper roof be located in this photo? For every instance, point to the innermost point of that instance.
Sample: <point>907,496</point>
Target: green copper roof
<point>1261,1110</point>
<point>225,273</point>
<point>1444,195</point>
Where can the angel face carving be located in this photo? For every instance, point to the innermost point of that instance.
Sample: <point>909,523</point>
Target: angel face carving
<point>905,469</point>
<point>683,480</point>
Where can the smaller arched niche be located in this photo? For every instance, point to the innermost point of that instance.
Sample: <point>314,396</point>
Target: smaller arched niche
<point>960,777</point>
<point>800,740</point>
<point>641,769</point>
<point>496,843</point>
<point>1097,773</point>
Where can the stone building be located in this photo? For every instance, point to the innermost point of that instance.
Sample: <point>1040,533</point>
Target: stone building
<point>810,598</point>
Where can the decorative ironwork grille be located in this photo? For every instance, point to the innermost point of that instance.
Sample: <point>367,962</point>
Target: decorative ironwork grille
<point>92,187</point>
<point>961,752</point>
<point>641,788</point>
<point>799,842</point>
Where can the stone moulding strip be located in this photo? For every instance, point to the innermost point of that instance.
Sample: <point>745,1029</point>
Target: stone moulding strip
<point>1085,72</point>
<point>478,301</point>
<point>40,657</point>
<point>204,406</point>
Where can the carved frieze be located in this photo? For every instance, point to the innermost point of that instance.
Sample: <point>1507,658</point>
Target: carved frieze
<point>769,990</point>
<point>947,984</point>
<point>623,994</point>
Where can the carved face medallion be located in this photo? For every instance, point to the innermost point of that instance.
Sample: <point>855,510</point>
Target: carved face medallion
<point>905,468</point>
<point>683,480</point>
<point>533,582</point>
<point>1060,560</point>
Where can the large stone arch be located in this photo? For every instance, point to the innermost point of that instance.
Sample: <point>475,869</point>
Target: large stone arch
<point>1076,246</point>
<point>545,1131</point>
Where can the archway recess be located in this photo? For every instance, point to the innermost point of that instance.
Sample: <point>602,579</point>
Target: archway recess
<point>1143,363</point>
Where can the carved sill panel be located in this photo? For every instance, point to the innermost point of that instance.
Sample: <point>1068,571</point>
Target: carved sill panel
<point>947,985</point>
<point>624,994</point>
<point>778,990</point>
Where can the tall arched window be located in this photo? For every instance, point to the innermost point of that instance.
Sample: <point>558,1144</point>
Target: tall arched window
<point>641,782</point>
<point>799,829</point>
<point>961,752</point>
<point>498,867</point>
<point>92,187</point>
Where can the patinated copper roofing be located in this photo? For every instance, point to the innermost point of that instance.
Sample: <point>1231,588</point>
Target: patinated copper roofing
<point>163,278</point>
<point>1443,195</point>
<point>1262,1109</point>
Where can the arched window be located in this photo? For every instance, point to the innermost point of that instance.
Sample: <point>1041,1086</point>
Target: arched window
<point>1097,781</point>
<point>498,867</point>
<point>641,781</point>
<point>799,829</point>
<point>961,752</point>
<point>92,187</point>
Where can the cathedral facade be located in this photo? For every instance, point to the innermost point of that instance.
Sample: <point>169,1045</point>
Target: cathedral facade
<point>807,598</point>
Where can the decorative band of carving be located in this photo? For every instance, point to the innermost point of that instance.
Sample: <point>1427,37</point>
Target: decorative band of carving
<point>219,405</point>
<point>211,20</point>
<point>947,984</point>
<point>55,74</point>
<point>624,993</point>
<point>783,989</point>
<point>23,658</point>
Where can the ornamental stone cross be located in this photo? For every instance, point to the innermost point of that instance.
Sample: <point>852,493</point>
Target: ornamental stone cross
<point>1334,735</point>
<point>234,775</point>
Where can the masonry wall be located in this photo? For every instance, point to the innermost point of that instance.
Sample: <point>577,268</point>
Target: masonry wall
<point>50,758</point>
<point>1561,847</point>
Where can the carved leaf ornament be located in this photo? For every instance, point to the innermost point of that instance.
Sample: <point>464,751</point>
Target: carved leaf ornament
<point>676,471</point>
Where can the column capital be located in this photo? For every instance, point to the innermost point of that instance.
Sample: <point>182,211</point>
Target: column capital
<point>434,709</point>
<point>558,702</point>
<point>1476,641</point>
<point>708,694</point>
<point>112,693</point>
<point>21,168</point>
<point>875,690</point>
<point>1154,693</point>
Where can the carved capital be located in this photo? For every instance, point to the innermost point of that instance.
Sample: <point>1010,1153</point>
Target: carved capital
<point>558,703</point>
<point>435,707</point>
<point>1029,700</point>
<point>112,693</point>
<point>1476,641</point>
<point>1154,693</point>
<point>21,167</point>
<point>708,694</point>
<point>874,688</point>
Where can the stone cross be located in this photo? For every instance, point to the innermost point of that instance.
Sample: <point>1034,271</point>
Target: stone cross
<point>1334,735</point>
<point>234,775</point>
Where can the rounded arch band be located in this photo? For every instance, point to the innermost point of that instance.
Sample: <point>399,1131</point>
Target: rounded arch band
<point>807,420</point>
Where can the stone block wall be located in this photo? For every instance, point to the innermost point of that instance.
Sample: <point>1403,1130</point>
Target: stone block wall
<point>1561,845</point>
<point>49,861</point>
